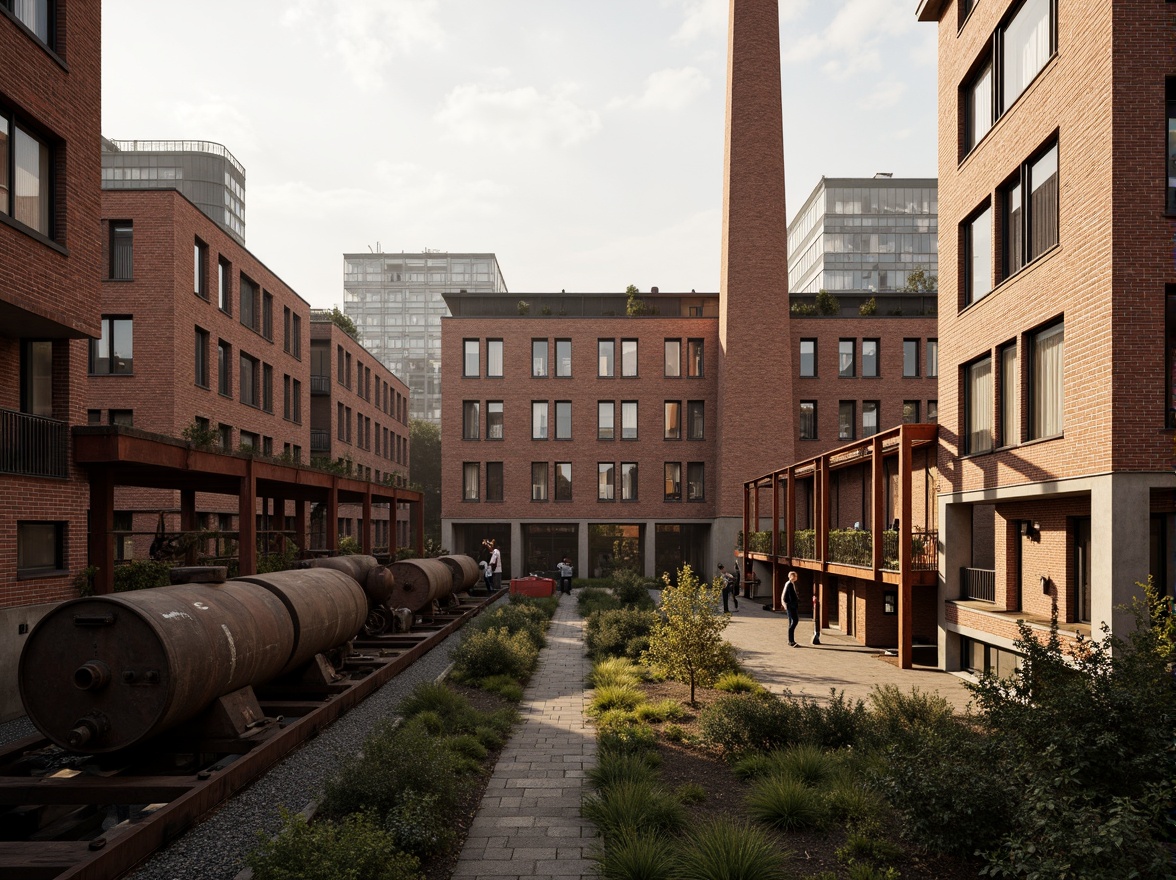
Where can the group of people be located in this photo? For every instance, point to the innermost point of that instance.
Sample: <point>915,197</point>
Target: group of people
<point>790,597</point>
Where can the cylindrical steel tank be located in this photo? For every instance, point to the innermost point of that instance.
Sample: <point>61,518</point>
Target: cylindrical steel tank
<point>465,571</point>
<point>326,607</point>
<point>376,579</point>
<point>103,673</point>
<point>419,582</point>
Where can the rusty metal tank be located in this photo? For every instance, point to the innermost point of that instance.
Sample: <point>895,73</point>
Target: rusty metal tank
<point>419,582</point>
<point>327,608</point>
<point>464,569</point>
<point>106,672</point>
<point>377,581</point>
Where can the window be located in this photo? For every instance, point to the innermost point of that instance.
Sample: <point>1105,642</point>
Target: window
<point>563,358</point>
<point>606,358</point>
<point>869,418</point>
<point>563,420</point>
<point>287,403</point>
<point>1047,388</point>
<point>870,358</point>
<point>910,412</point>
<point>470,429</point>
<point>200,269</point>
<point>26,176</point>
<point>674,358</point>
<point>605,419</point>
<point>297,394</point>
<point>628,481</point>
<point>694,361</point>
<point>910,358</point>
<point>40,548</point>
<point>267,315</point>
<point>1026,43</point>
<point>976,256</point>
<point>1170,354</point>
<point>808,420</point>
<point>249,303</point>
<point>845,364</point>
<point>249,441</point>
<point>538,481</point>
<point>113,352</point>
<point>628,420</point>
<point>36,389</point>
<point>1030,226</point>
<point>539,420</point>
<point>122,250</point>
<point>673,489</point>
<point>494,358</point>
<point>122,417</point>
<point>494,420</point>
<point>296,348</point>
<point>695,419</point>
<point>494,481</point>
<point>563,481</point>
<point>223,286</point>
<point>695,488</point>
<point>1009,392</point>
<point>286,338</point>
<point>267,388</point>
<point>978,401</point>
<point>977,105</point>
<point>471,479</point>
<point>36,15</point>
<point>808,358</point>
<point>629,358</point>
<point>933,411</point>
<point>846,419</point>
<point>932,358</point>
<point>673,420</point>
<point>248,379</point>
<point>340,421</point>
<point>539,358</point>
<point>201,358</point>
<point>471,362</point>
<point>1171,98</point>
<point>226,437</point>
<point>606,481</point>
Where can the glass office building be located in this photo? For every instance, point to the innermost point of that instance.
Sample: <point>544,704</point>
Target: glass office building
<point>864,234</point>
<point>397,303</point>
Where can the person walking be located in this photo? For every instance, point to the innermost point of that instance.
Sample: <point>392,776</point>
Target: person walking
<point>565,575</point>
<point>729,588</point>
<point>792,606</point>
<point>493,569</point>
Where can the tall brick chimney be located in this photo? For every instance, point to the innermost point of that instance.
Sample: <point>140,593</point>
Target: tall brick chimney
<point>756,406</point>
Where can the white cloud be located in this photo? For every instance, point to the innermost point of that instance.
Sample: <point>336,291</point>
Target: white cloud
<point>516,119</point>
<point>670,89</point>
<point>854,39</point>
<point>708,18</point>
<point>219,119</point>
<point>885,94</point>
<point>365,35</point>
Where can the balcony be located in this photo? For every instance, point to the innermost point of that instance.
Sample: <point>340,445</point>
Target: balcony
<point>33,446</point>
<point>978,583</point>
<point>320,384</point>
<point>320,440</point>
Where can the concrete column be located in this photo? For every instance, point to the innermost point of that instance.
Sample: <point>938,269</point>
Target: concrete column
<point>955,552</point>
<point>650,548</point>
<point>1120,505</point>
<point>516,549</point>
<point>581,562</point>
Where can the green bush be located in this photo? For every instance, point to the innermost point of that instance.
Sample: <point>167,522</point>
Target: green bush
<point>454,711</point>
<point>417,825</point>
<point>354,849</point>
<point>592,599</point>
<point>614,671</point>
<point>620,633</point>
<point>141,574</point>
<point>723,849</point>
<point>632,855</point>
<point>737,683</point>
<point>503,685</point>
<point>615,696</point>
<point>738,723</point>
<point>663,710</point>
<point>899,718</point>
<point>545,606</point>
<point>860,848</point>
<point>624,738</point>
<point>526,619</point>
<point>786,804</point>
<point>638,806</point>
<point>675,733</point>
<point>805,763</point>
<point>614,767</point>
<point>495,652</point>
<point>632,590</point>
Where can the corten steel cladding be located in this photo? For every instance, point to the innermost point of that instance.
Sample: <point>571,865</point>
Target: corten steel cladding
<point>465,571</point>
<point>376,579</point>
<point>326,606</point>
<point>419,582</point>
<point>106,672</point>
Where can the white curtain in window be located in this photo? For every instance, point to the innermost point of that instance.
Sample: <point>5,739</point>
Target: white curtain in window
<point>980,406</point>
<point>34,14</point>
<point>1048,361</point>
<point>31,190</point>
<point>494,357</point>
<point>1026,48</point>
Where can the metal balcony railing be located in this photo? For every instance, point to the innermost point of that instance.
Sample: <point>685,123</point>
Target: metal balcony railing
<point>33,446</point>
<point>320,440</point>
<point>320,384</point>
<point>978,583</point>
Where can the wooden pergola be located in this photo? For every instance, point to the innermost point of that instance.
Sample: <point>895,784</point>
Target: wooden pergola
<point>116,456</point>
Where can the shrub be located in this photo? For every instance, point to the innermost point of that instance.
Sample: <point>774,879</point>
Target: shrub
<point>662,710</point>
<point>785,803</point>
<point>802,309</point>
<point>615,767</point>
<point>690,793</point>
<point>620,633</point>
<point>754,765</point>
<point>503,685</point>
<point>634,806</point>
<point>737,683</point>
<point>737,723</point>
<point>454,711</point>
<point>632,855</point>
<point>899,718</point>
<point>495,652</point>
<point>592,599</point>
<point>805,763</point>
<point>615,696</point>
<point>354,849</point>
<point>726,850</point>
<point>468,745</point>
<point>675,733</point>
<point>827,303</point>
<point>836,724</point>
<point>860,847</point>
<point>869,307</point>
<point>516,619</point>
<point>417,824</point>
<point>632,590</point>
<point>535,605</point>
<point>615,671</point>
<point>141,574</point>
<point>849,800</point>
<point>625,738</point>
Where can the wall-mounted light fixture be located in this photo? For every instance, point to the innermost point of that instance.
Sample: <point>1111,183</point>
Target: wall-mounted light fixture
<point>1045,584</point>
<point>1030,529</point>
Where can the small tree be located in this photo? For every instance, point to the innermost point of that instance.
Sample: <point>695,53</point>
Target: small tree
<point>919,281</point>
<point>827,303</point>
<point>344,323</point>
<point>687,641</point>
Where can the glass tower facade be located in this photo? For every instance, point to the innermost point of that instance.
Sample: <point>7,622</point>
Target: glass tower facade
<point>397,303</point>
<point>864,234</point>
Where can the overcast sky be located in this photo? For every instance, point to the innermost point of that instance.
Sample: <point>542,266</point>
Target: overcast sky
<point>582,142</point>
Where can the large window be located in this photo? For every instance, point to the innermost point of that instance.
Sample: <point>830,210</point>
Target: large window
<point>248,376</point>
<point>538,481</point>
<point>224,285</point>
<point>605,420</point>
<point>977,256</point>
<point>26,176</point>
<point>808,358</point>
<point>563,481</point>
<point>606,358</point>
<point>673,420</point>
<point>494,358</point>
<point>1009,423</point>
<point>471,358</point>
<point>846,419</point>
<point>1171,96</point>
<point>36,388</point>
<point>563,420</point>
<point>673,358</point>
<point>249,303</point>
<point>122,250</point>
<point>539,420</point>
<point>494,423</point>
<point>563,358</point>
<point>694,358</point>
<point>224,376</point>
<point>910,412</point>
<point>978,406</point>
<point>267,388</point>
<point>808,420</point>
<point>606,481</point>
<point>1026,43</point>
<point>36,15</point>
<point>200,270</point>
<point>470,423</point>
<point>628,481</point>
<point>267,315</point>
<point>296,346</point>
<point>910,358</point>
<point>201,358</point>
<point>870,358</point>
<point>1030,226</point>
<point>1047,389</point>
<point>471,480</point>
<point>494,481</point>
<point>539,358</point>
<point>113,352</point>
<point>40,548</point>
<point>673,489</point>
<point>629,357</point>
<point>977,103</point>
<point>695,419</point>
<point>932,358</point>
<point>628,420</point>
<point>695,482</point>
<point>869,418</point>
<point>845,359</point>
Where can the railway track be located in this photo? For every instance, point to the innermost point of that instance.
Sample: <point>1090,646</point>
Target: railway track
<point>66,815</point>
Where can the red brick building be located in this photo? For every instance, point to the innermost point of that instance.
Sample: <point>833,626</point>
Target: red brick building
<point>50,256</point>
<point>1057,315</point>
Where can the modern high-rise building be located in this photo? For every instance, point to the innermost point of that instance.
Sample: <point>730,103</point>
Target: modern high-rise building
<point>207,174</point>
<point>864,234</point>
<point>397,303</point>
